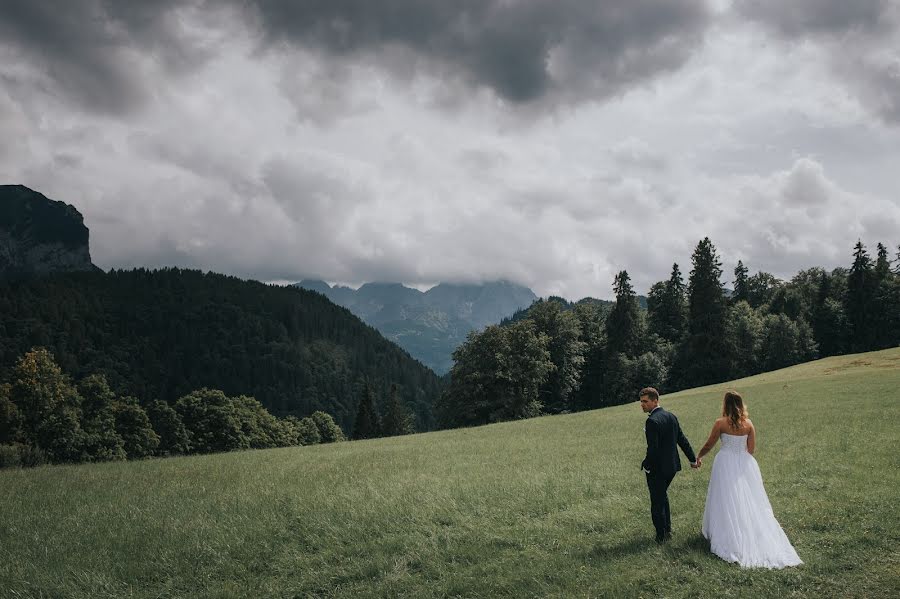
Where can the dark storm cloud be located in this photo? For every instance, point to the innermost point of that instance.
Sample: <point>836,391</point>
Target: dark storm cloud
<point>90,49</point>
<point>524,51</point>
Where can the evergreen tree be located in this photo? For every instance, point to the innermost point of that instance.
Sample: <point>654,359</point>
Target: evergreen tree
<point>397,420</point>
<point>367,424</point>
<point>859,300</point>
<point>666,308</point>
<point>624,332</point>
<point>705,357</point>
<point>882,264</point>
<point>741,291</point>
<point>885,308</point>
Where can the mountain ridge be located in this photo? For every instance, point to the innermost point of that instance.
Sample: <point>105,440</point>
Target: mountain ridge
<point>428,324</point>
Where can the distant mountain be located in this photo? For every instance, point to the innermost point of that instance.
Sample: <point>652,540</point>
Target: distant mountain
<point>39,235</point>
<point>431,324</point>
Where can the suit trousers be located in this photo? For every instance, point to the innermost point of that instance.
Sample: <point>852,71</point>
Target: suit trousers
<point>658,484</point>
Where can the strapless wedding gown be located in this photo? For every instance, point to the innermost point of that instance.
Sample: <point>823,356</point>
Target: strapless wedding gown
<point>738,519</point>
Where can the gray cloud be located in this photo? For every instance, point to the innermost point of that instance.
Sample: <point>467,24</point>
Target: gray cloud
<point>99,53</point>
<point>424,142</point>
<point>525,52</point>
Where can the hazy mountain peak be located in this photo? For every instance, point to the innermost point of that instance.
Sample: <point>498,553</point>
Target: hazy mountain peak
<point>431,324</point>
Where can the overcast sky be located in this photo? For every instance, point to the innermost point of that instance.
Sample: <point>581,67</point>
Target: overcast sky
<point>551,143</point>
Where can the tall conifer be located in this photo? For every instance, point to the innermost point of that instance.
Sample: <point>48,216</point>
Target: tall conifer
<point>706,351</point>
<point>367,425</point>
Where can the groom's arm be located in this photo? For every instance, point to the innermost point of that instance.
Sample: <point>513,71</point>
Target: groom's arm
<point>685,445</point>
<point>652,435</point>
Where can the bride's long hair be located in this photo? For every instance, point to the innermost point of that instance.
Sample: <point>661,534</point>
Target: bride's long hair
<point>734,409</point>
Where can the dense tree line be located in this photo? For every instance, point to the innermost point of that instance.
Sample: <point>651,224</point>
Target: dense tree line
<point>557,357</point>
<point>162,334</point>
<point>45,417</point>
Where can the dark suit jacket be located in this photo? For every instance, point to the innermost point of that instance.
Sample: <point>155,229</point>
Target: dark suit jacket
<point>663,434</point>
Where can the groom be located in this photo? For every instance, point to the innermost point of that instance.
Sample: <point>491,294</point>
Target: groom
<point>662,461</point>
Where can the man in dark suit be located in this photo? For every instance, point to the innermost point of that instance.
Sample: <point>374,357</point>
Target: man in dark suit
<point>662,461</point>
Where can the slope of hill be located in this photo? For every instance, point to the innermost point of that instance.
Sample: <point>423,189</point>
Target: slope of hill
<point>162,334</point>
<point>552,506</point>
<point>431,324</point>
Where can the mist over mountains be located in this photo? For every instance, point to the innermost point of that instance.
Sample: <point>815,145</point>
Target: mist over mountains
<point>430,324</point>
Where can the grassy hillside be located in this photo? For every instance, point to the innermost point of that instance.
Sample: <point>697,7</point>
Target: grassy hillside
<point>554,506</point>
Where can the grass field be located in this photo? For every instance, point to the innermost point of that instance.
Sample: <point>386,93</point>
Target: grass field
<point>554,506</point>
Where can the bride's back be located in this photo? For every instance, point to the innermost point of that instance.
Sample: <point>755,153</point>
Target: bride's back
<point>734,442</point>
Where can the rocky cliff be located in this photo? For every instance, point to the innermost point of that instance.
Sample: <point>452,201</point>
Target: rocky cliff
<point>39,235</point>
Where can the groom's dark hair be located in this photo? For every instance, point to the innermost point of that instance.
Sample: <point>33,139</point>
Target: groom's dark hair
<point>649,392</point>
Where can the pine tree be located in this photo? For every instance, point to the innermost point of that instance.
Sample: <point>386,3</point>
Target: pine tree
<point>397,420</point>
<point>859,299</point>
<point>624,340</point>
<point>666,314</point>
<point>828,320</point>
<point>705,357</point>
<point>882,264</point>
<point>884,305</point>
<point>740,283</point>
<point>623,324</point>
<point>367,425</point>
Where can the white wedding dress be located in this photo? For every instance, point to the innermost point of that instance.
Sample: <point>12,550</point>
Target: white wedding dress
<point>738,519</point>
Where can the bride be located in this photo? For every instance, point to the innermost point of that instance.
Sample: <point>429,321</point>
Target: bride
<point>738,519</point>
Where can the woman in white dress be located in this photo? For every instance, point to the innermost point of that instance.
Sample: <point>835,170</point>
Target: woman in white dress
<point>738,519</point>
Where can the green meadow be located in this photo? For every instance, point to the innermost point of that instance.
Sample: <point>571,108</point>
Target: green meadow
<point>548,507</point>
